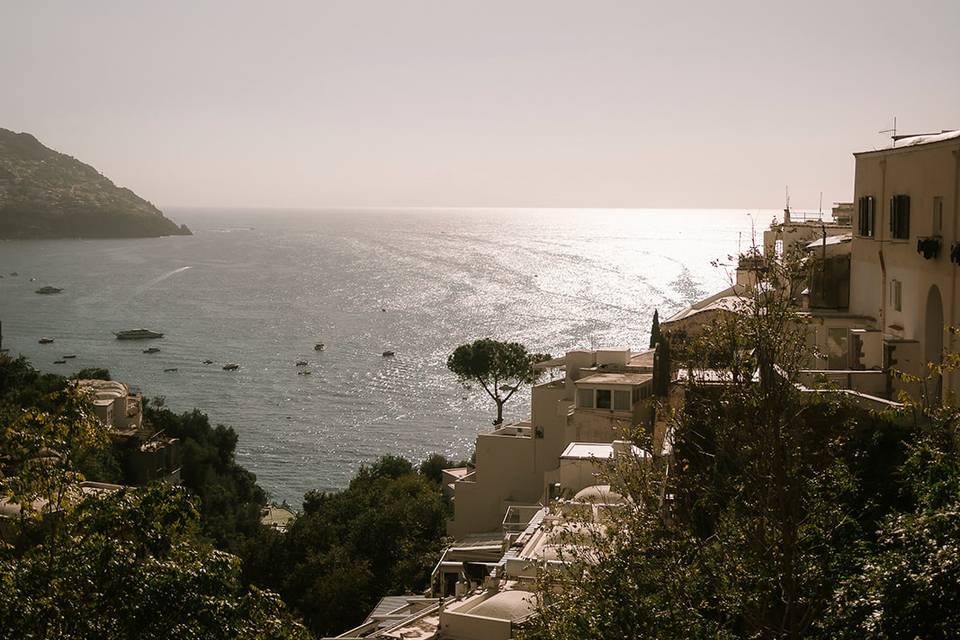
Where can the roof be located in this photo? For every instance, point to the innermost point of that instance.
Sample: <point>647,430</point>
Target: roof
<point>506,605</point>
<point>913,141</point>
<point>727,300</point>
<point>616,378</point>
<point>587,450</point>
<point>643,359</point>
<point>830,241</point>
<point>599,494</point>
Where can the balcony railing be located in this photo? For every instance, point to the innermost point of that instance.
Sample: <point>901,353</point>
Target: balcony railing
<point>929,247</point>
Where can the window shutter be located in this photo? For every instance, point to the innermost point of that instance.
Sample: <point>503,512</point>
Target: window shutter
<point>906,216</point>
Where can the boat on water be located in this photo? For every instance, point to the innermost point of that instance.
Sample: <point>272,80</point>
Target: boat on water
<point>45,340</point>
<point>48,290</point>
<point>152,350</point>
<point>208,361</point>
<point>301,363</point>
<point>388,354</point>
<point>137,334</point>
<point>304,373</point>
<point>59,362</point>
<point>170,370</point>
<point>231,366</point>
<point>319,346</point>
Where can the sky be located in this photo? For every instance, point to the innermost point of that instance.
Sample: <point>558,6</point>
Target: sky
<point>522,103</point>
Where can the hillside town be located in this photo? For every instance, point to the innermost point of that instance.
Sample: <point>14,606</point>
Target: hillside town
<point>877,312</point>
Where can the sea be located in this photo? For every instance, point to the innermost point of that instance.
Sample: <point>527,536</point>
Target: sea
<point>260,288</point>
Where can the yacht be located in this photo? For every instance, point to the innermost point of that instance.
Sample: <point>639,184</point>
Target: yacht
<point>137,334</point>
<point>231,366</point>
<point>45,340</point>
<point>49,290</point>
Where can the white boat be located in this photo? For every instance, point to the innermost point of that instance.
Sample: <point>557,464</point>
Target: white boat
<point>137,334</point>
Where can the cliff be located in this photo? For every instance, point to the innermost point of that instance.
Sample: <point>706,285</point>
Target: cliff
<point>46,194</point>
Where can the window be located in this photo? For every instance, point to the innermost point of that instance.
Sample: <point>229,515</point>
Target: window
<point>837,348</point>
<point>603,399</point>
<point>585,398</point>
<point>895,295</point>
<point>937,216</point>
<point>621,400</point>
<point>865,220</point>
<point>778,248</point>
<point>900,217</point>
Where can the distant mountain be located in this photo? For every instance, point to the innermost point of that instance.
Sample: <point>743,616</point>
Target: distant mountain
<point>46,194</point>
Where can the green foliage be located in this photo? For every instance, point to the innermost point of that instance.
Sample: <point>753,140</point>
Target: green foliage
<point>347,549</point>
<point>92,373</point>
<point>496,366</point>
<point>789,514</point>
<point>230,498</point>
<point>655,334</point>
<point>126,565</point>
<point>907,584</point>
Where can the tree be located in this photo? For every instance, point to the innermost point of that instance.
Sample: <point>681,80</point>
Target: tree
<point>655,334</point>
<point>496,366</point>
<point>82,563</point>
<point>775,494</point>
<point>380,536</point>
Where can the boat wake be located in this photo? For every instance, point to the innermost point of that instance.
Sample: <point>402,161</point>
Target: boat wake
<point>160,279</point>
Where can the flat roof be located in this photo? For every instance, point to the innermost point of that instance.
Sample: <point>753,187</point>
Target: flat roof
<point>588,450</point>
<point>616,378</point>
<point>905,142</point>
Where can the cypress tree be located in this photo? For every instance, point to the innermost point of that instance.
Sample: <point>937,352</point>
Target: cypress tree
<point>655,335</point>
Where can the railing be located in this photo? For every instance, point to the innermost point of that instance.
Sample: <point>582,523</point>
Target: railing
<point>518,517</point>
<point>929,247</point>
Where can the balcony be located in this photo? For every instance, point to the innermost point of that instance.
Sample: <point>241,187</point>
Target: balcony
<point>929,247</point>
<point>518,430</point>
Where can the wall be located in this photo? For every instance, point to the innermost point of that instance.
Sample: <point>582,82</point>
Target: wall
<point>922,172</point>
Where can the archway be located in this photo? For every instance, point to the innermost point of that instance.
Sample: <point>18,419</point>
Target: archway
<point>933,338</point>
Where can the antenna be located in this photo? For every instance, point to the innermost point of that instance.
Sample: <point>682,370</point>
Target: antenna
<point>820,211</point>
<point>893,131</point>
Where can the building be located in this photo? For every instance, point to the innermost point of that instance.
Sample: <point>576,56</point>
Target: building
<point>601,396</point>
<point>882,290</point>
<point>115,404</point>
<point>147,456</point>
<point>494,604</point>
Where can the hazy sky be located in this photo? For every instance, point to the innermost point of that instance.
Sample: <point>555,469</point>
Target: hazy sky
<point>486,103</point>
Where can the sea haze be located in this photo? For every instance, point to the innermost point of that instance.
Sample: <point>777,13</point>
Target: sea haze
<point>260,288</point>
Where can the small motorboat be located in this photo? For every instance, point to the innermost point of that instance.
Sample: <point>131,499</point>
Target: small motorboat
<point>304,373</point>
<point>170,370</point>
<point>231,366</point>
<point>14,273</point>
<point>70,356</point>
<point>152,350</point>
<point>48,290</point>
<point>318,347</point>
<point>59,362</point>
<point>301,363</point>
<point>208,361</point>
<point>137,334</point>
<point>45,340</point>
<point>388,354</point>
